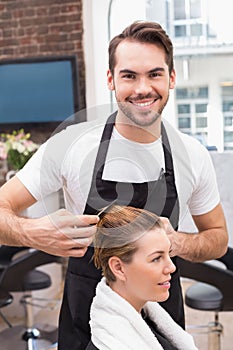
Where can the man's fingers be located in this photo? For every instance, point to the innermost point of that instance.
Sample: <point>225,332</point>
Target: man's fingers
<point>83,220</point>
<point>79,232</point>
<point>64,218</point>
<point>167,225</point>
<point>82,242</point>
<point>77,252</point>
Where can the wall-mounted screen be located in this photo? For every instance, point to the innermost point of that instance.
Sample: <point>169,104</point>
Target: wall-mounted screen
<point>38,90</point>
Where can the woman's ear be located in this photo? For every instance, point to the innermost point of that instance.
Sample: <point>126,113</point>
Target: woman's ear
<point>117,268</point>
<point>110,80</point>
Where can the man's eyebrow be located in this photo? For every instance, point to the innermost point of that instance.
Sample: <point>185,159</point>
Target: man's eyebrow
<point>128,71</point>
<point>157,69</point>
<point>154,70</point>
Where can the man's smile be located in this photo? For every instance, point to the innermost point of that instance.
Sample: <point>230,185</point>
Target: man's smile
<point>143,103</point>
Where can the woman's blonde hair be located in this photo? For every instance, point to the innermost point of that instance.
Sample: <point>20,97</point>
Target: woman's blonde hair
<point>117,233</point>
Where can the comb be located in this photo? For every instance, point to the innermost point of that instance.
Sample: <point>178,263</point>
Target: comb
<point>106,209</point>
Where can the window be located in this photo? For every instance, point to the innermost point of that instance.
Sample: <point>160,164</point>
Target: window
<point>227,109</point>
<point>184,109</point>
<point>201,108</point>
<point>179,9</point>
<point>192,92</point>
<point>201,122</point>
<point>188,19</point>
<point>184,9</point>
<point>184,123</point>
<point>228,121</point>
<point>192,105</point>
<point>195,8</point>
<point>196,29</point>
<point>227,106</point>
<point>180,31</point>
<point>203,57</point>
<point>228,136</point>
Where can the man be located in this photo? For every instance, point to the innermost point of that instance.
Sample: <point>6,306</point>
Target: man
<point>133,158</point>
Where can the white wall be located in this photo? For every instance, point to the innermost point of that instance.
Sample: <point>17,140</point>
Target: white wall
<point>223,163</point>
<point>97,33</point>
<point>96,39</point>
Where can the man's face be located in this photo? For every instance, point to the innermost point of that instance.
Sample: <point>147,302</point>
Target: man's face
<point>141,81</point>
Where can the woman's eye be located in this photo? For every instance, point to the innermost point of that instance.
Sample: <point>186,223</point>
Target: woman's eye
<point>157,258</point>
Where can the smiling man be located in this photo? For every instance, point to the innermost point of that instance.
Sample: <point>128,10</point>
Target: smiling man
<point>134,158</point>
<point>141,80</point>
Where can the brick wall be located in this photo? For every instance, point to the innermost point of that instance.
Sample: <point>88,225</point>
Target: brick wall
<point>35,28</point>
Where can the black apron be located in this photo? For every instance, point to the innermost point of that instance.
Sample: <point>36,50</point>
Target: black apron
<point>158,196</point>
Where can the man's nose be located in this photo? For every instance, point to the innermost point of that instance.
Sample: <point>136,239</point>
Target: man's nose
<point>143,86</point>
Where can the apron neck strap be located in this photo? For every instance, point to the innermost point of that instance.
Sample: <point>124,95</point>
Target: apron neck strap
<point>106,136</point>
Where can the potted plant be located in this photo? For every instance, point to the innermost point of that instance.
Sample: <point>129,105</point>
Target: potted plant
<point>17,149</point>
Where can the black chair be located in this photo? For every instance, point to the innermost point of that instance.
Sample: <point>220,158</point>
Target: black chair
<point>211,292</point>
<point>7,253</point>
<point>18,274</point>
<point>5,299</point>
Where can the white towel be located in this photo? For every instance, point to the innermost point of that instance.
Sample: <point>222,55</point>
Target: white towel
<point>116,325</point>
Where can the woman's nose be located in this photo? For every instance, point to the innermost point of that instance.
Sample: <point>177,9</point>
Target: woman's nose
<point>170,267</point>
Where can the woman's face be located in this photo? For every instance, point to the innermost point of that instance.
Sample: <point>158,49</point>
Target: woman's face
<point>147,276</point>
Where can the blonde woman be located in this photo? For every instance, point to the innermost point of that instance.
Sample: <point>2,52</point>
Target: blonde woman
<point>132,249</point>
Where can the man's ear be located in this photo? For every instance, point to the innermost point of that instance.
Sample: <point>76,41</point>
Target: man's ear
<point>117,267</point>
<point>110,80</point>
<point>172,79</point>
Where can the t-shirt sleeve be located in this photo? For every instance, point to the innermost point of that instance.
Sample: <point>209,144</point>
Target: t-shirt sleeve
<point>42,174</point>
<point>205,196</point>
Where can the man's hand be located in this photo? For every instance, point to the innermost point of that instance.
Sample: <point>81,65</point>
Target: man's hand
<point>209,242</point>
<point>60,233</point>
<point>172,235</point>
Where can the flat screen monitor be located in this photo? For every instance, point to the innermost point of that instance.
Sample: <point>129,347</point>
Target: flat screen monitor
<point>38,90</point>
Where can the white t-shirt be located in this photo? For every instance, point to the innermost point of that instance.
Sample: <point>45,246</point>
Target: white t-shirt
<point>134,162</point>
<point>67,160</point>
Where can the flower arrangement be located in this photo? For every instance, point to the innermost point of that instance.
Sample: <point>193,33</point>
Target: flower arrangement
<point>17,148</point>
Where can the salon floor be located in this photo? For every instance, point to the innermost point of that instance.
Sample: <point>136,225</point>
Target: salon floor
<point>193,317</point>
<point>46,306</point>
<point>197,318</point>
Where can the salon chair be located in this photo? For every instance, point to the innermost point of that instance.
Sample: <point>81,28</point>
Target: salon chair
<point>211,291</point>
<point>5,299</point>
<point>6,255</point>
<point>18,273</point>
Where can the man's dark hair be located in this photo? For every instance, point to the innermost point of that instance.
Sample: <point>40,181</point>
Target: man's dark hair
<point>144,32</point>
